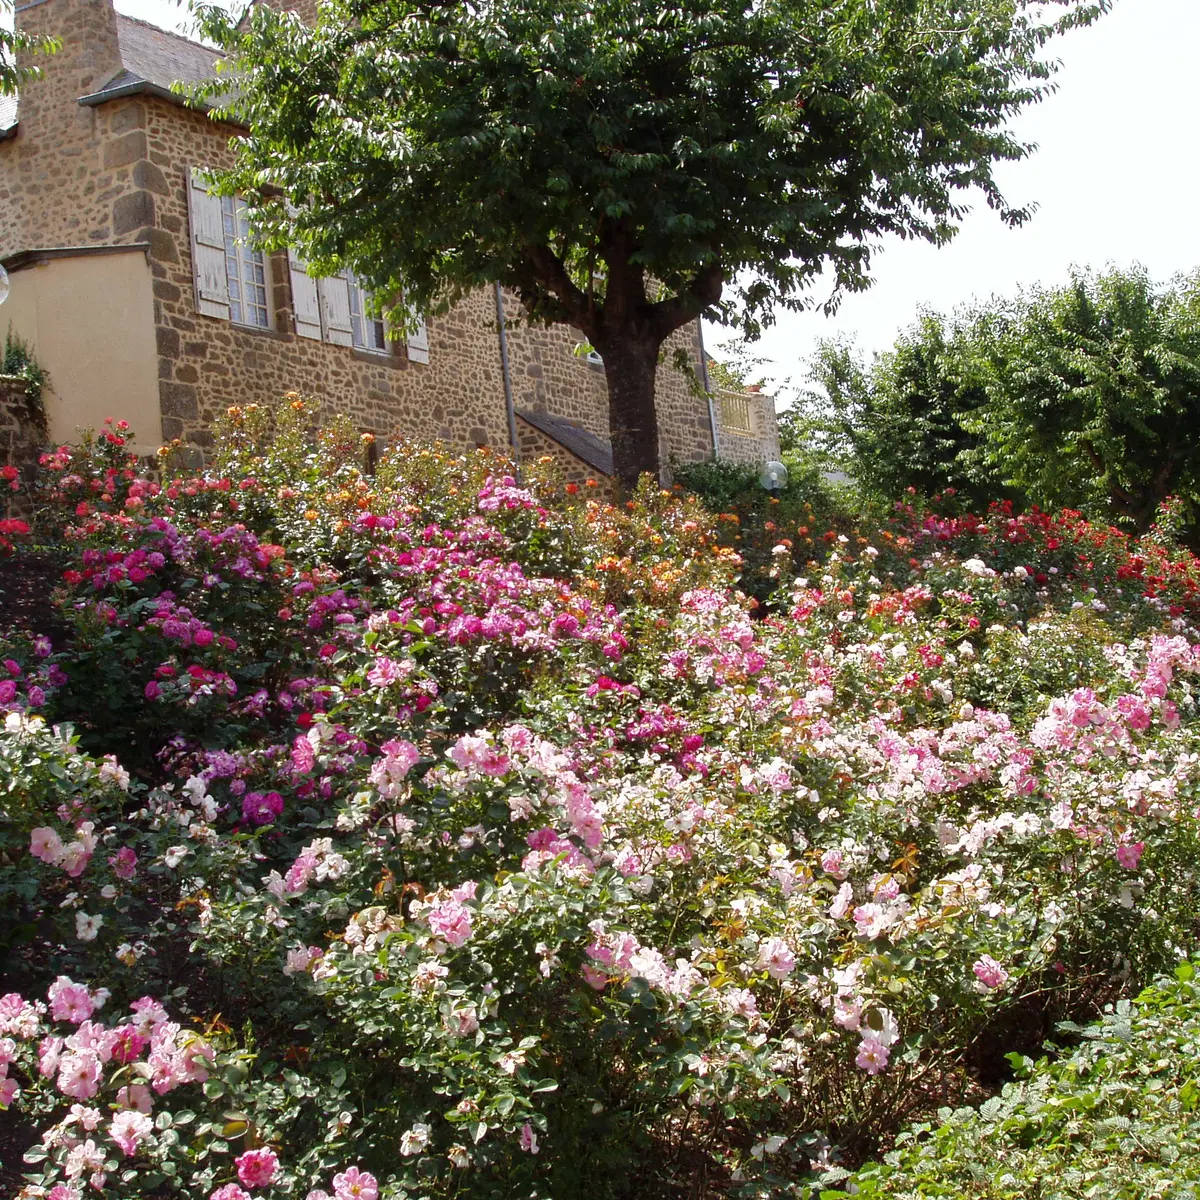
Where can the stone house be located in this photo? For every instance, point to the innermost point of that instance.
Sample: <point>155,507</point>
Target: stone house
<point>135,292</point>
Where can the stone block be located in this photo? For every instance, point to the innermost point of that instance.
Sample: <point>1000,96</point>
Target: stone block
<point>168,342</point>
<point>132,211</point>
<point>178,400</point>
<point>147,175</point>
<point>125,150</point>
<point>162,246</point>
<point>130,115</point>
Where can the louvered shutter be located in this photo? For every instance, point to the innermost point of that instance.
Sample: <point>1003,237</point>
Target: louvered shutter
<point>306,302</point>
<point>335,309</point>
<point>418,341</point>
<point>208,248</point>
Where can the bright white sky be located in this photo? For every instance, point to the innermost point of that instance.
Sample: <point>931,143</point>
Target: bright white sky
<point>1116,178</point>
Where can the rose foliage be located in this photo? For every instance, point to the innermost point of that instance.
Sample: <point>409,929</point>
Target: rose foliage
<point>430,833</point>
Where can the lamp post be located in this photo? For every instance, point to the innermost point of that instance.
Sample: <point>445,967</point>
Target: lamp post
<point>774,477</point>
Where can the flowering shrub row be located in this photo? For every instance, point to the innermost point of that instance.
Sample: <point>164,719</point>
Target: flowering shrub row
<point>466,836</point>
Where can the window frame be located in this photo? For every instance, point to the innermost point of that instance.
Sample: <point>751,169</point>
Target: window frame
<point>361,303</point>
<point>245,258</point>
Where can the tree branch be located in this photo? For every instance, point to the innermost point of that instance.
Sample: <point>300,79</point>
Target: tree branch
<point>705,291</point>
<point>547,268</point>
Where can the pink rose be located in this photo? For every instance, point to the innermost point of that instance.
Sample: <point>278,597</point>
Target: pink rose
<point>353,1184</point>
<point>230,1191</point>
<point>1130,854</point>
<point>872,1056</point>
<point>990,973</point>
<point>128,1129</point>
<point>257,1168</point>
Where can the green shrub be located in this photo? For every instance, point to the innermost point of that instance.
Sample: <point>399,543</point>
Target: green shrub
<point>1116,1117</point>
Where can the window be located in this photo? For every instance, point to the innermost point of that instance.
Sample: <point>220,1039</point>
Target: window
<point>230,275</point>
<point>245,269</point>
<point>366,331</point>
<point>232,283</point>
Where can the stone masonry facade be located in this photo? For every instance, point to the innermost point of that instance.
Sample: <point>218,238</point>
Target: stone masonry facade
<point>22,437</point>
<point>118,172</point>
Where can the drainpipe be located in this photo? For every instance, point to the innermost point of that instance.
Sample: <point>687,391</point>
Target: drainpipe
<point>712,411</point>
<point>507,372</point>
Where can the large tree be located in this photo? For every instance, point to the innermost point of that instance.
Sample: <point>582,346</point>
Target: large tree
<point>627,166</point>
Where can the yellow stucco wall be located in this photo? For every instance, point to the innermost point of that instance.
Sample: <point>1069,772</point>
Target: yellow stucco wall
<point>89,321</point>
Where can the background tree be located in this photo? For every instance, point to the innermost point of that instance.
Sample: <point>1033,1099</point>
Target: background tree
<point>900,422</point>
<point>1093,392</point>
<point>704,158</point>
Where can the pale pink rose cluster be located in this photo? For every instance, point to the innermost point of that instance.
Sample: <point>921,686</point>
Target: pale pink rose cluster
<point>478,755</point>
<point>387,671</point>
<point>389,772</point>
<point>73,856</point>
<point>78,1062</point>
<point>503,493</point>
<point>621,953</point>
<point>317,861</point>
<point>448,916</point>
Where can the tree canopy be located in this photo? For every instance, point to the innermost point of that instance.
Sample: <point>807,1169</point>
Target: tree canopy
<point>627,166</point>
<point>1094,392</point>
<point>1085,395</point>
<point>899,423</point>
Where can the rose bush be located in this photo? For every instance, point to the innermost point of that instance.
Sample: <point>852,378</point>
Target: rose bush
<point>475,836</point>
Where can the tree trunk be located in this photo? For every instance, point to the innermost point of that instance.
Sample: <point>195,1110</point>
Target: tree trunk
<point>630,365</point>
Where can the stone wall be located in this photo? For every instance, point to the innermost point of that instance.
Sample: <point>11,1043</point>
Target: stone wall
<point>306,10</point>
<point>72,175</point>
<point>118,173</point>
<point>749,447</point>
<point>207,364</point>
<point>22,440</point>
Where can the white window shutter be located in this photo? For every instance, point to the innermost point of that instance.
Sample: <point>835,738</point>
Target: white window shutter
<point>335,309</point>
<point>418,341</point>
<point>208,248</point>
<point>306,303</point>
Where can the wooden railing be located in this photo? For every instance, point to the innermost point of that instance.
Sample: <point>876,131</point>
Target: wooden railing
<point>737,416</point>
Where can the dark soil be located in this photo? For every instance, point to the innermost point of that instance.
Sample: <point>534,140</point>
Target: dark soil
<point>27,581</point>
